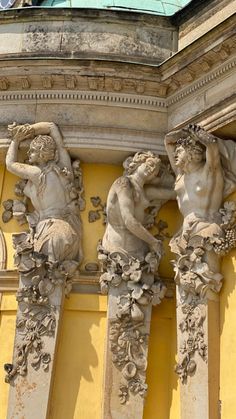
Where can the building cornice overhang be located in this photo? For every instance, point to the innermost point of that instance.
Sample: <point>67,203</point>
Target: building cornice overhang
<point>83,282</point>
<point>163,89</point>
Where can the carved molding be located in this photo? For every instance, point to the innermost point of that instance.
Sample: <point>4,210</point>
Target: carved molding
<point>127,100</point>
<point>211,77</point>
<point>121,98</point>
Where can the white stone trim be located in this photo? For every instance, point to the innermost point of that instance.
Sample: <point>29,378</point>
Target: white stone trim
<point>88,97</point>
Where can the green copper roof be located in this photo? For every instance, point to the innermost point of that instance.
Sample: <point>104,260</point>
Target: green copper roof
<point>158,7</point>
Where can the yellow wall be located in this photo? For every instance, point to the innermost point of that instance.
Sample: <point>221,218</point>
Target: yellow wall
<point>228,336</point>
<point>77,391</point>
<point>97,181</point>
<point>7,332</point>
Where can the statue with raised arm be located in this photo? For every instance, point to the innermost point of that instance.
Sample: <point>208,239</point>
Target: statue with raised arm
<point>49,186</point>
<point>50,253</point>
<point>130,257</point>
<point>203,179</point>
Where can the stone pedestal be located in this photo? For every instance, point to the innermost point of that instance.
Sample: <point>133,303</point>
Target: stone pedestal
<point>198,357</point>
<point>30,387</point>
<point>126,361</point>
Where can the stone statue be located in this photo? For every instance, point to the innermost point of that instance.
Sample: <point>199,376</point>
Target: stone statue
<point>48,255</point>
<point>50,188</point>
<point>128,198</point>
<point>130,257</point>
<point>203,179</point>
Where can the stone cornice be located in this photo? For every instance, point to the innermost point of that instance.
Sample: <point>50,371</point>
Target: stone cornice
<point>135,100</point>
<point>114,99</point>
<point>205,80</point>
<point>9,281</point>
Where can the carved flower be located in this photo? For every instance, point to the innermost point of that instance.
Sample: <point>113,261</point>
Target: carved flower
<point>132,270</point>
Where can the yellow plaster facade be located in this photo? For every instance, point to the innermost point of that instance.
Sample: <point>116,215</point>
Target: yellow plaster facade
<point>78,379</point>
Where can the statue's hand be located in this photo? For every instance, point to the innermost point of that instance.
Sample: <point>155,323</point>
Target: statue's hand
<point>199,134</point>
<point>20,133</point>
<point>173,136</point>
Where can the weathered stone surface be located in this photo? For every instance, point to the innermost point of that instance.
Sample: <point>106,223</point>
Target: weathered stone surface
<point>205,174</point>
<point>130,257</point>
<point>47,258</point>
<point>96,33</point>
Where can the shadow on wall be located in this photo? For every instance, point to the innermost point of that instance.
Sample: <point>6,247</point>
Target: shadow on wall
<point>78,377</point>
<point>161,377</point>
<point>228,269</point>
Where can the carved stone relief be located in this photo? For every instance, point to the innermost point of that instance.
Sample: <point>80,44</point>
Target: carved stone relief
<point>98,212</point>
<point>204,167</point>
<point>48,255</point>
<point>130,256</point>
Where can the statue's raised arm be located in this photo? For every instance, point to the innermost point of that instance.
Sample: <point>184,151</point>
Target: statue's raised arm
<point>39,133</point>
<point>209,141</point>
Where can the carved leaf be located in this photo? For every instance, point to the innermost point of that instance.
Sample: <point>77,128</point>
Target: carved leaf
<point>96,201</point>
<point>7,216</point>
<point>93,216</point>
<point>8,204</point>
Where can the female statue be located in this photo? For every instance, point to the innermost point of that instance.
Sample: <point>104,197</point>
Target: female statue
<point>56,221</point>
<point>129,197</point>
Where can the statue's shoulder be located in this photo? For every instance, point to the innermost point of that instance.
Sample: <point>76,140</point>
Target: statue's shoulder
<point>122,182</point>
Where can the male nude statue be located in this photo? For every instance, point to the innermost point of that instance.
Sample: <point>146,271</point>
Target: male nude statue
<point>195,158</point>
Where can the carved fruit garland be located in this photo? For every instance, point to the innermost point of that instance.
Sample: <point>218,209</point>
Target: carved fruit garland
<point>128,342</point>
<point>195,280</point>
<point>39,278</point>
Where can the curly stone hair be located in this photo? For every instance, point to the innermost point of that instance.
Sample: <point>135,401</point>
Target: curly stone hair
<point>132,162</point>
<point>191,146</point>
<point>46,147</point>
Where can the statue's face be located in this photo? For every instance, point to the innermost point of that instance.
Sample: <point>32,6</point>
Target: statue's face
<point>181,156</point>
<point>34,155</point>
<point>149,169</point>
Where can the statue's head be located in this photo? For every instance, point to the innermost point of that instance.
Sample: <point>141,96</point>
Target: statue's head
<point>188,150</point>
<point>42,149</point>
<point>145,162</point>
